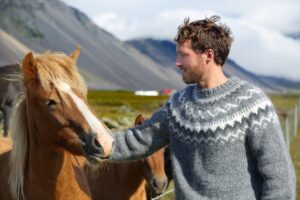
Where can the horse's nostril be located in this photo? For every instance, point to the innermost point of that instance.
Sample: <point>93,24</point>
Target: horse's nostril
<point>159,185</point>
<point>165,184</point>
<point>96,142</point>
<point>155,185</point>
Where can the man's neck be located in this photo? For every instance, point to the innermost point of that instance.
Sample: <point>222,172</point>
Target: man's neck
<point>213,78</point>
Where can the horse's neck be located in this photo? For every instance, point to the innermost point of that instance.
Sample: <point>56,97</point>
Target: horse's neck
<point>131,169</point>
<point>54,175</point>
<point>117,181</point>
<point>130,174</point>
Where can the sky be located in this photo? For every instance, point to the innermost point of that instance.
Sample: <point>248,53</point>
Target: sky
<point>261,28</point>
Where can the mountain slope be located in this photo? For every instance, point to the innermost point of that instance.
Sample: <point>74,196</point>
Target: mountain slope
<point>11,50</point>
<point>51,25</point>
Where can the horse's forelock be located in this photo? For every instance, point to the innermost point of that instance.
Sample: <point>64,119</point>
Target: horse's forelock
<point>57,67</point>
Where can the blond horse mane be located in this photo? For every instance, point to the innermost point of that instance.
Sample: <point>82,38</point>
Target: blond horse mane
<point>19,133</point>
<point>51,69</point>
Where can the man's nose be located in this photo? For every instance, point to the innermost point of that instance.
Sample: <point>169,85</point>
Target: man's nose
<point>178,62</point>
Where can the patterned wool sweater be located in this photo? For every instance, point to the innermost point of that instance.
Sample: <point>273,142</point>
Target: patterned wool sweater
<point>225,143</point>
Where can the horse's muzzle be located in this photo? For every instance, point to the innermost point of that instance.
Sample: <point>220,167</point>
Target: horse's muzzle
<point>92,148</point>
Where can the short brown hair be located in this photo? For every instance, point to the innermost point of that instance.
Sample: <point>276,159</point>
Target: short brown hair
<point>207,34</point>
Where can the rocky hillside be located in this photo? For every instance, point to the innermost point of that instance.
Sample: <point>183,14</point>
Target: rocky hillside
<point>11,50</point>
<point>106,62</point>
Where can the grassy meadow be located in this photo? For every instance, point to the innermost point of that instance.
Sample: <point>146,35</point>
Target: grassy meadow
<point>119,108</point>
<point>287,102</point>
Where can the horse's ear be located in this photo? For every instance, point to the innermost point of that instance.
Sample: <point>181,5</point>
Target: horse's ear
<point>29,67</point>
<point>75,54</point>
<point>139,120</point>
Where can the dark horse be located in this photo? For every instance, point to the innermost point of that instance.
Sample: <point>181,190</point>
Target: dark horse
<point>10,88</point>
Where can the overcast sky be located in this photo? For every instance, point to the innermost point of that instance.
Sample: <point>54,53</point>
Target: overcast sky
<point>260,27</point>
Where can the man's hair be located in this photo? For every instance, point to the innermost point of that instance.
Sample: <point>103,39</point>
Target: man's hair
<point>206,34</point>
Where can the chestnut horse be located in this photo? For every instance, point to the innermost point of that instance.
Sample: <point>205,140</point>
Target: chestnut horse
<point>52,129</point>
<point>129,180</point>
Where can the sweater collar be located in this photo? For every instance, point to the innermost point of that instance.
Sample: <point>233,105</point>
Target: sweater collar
<point>230,84</point>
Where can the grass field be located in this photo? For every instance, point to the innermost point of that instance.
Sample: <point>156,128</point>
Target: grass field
<point>122,107</point>
<point>287,102</point>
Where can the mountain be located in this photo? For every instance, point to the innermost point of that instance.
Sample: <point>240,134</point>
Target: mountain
<point>161,51</point>
<point>295,36</point>
<point>11,50</point>
<point>105,61</point>
<point>164,53</point>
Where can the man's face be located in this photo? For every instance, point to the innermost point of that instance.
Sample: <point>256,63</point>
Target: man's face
<point>191,63</point>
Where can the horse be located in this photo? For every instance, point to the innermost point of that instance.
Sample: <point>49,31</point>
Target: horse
<point>10,89</point>
<point>137,180</point>
<point>151,191</point>
<point>53,129</point>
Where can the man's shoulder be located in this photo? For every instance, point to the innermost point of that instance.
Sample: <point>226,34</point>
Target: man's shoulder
<point>253,90</point>
<point>253,99</point>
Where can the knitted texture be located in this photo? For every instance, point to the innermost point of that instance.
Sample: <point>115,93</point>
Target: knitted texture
<point>225,143</point>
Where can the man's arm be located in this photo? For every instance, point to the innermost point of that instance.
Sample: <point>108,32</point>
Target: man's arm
<point>273,159</point>
<point>141,141</point>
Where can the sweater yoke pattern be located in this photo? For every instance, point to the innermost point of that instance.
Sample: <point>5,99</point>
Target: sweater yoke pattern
<point>220,115</point>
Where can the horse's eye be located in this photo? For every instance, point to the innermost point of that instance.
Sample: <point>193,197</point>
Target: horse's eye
<point>51,103</point>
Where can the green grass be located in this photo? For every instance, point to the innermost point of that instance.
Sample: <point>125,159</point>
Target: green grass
<point>123,105</point>
<point>287,102</point>
<point>284,102</point>
<point>295,154</point>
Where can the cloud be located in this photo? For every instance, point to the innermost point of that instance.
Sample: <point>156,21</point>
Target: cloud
<point>264,51</point>
<point>277,15</point>
<point>161,25</point>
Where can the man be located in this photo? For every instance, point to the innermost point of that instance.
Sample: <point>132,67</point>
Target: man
<point>224,136</point>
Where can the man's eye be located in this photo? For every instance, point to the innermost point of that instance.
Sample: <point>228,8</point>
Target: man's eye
<point>51,103</point>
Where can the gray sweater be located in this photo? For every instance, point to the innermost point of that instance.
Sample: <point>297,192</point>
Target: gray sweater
<point>225,143</point>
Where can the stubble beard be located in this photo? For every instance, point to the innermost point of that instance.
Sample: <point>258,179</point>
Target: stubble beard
<point>190,77</point>
<point>188,80</point>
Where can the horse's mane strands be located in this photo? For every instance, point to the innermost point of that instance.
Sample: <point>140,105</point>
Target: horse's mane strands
<point>19,134</point>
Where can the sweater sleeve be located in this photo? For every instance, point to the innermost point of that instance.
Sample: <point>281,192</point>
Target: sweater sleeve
<point>273,160</point>
<point>141,141</point>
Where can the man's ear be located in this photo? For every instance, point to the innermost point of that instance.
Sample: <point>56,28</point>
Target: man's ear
<point>210,54</point>
<point>29,67</point>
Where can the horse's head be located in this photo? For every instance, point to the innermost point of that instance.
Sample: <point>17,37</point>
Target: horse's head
<point>153,168</point>
<point>56,103</point>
